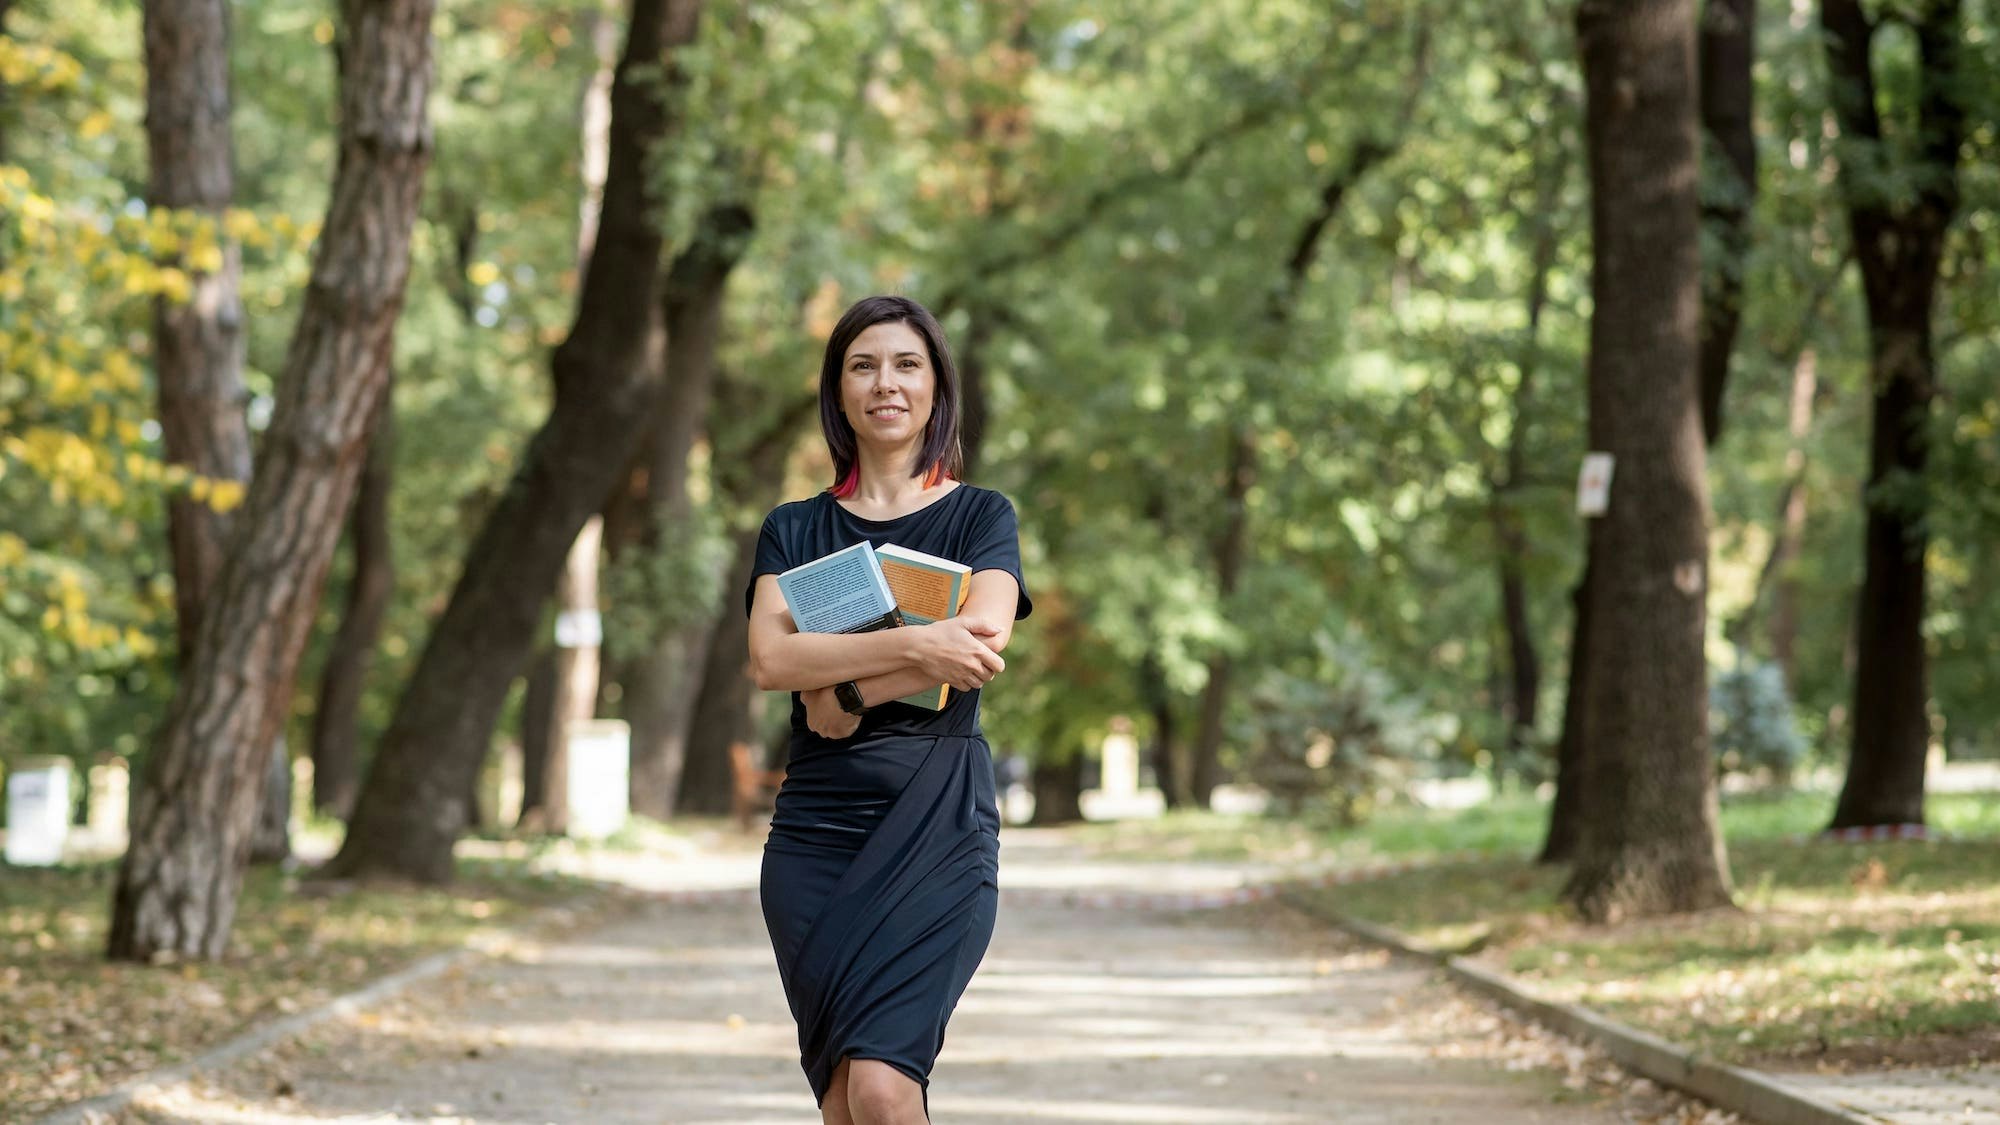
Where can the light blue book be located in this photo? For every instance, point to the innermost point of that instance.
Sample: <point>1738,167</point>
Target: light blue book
<point>843,592</point>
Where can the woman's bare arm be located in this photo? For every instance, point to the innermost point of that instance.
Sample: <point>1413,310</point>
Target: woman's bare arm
<point>784,659</point>
<point>988,614</point>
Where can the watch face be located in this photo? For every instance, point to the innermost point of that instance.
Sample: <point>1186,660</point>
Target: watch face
<point>849,696</point>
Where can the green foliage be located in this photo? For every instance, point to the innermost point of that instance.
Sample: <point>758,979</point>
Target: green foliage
<point>1100,199</point>
<point>1750,722</point>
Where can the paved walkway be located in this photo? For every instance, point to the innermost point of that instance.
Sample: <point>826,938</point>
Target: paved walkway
<point>1248,1015</point>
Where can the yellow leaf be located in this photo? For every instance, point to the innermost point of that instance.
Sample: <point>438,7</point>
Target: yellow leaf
<point>225,495</point>
<point>95,125</point>
<point>483,273</point>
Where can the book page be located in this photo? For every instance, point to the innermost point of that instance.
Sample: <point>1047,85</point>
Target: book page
<point>919,592</point>
<point>834,595</point>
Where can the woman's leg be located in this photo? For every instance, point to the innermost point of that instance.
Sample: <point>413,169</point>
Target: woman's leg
<point>879,1094</point>
<point>834,1111</point>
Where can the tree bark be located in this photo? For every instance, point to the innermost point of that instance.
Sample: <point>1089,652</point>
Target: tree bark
<point>199,342</point>
<point>1900,244</point>
<point>271,841</point>
<point>1566,811</point>
<point>1728,47</point>
<point>413,805</point>
<point>1650,841</point>
<point>571,684</point>
<point>537,730</point>
<point>749,480</point>
<point>660,686</point>
<point>177,887</point>
<point>335,730</point>
<point>1058,788</point>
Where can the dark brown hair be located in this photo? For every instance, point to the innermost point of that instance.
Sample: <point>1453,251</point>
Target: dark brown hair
<point>942,454</point>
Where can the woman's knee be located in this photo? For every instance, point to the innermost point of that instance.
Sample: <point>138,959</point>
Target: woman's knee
<point>833,1109</point>
<point>878,1092</point>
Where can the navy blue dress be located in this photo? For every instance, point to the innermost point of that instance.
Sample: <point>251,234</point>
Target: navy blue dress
<point>880,875</point>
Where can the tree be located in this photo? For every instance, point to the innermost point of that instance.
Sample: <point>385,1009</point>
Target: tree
<point>177,887</point>
<point>1901,198</point>
<point>415,802</point>
<point>1650,840</point>
<point>335,734</point>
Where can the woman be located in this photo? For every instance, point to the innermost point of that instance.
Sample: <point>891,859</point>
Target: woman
<point>879,879</point>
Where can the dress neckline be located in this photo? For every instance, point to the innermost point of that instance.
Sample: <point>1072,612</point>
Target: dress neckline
<point>961,486</point>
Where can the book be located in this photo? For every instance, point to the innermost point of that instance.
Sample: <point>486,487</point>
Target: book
<point>844,592</point>
<point>926,588</point>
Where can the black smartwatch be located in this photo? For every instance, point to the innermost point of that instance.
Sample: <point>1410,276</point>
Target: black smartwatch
<point>849,697</point>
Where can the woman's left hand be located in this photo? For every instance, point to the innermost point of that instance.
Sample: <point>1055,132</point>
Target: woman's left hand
<point>824,714</point>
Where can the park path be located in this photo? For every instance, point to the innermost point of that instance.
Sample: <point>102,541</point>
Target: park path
<point>671,1013</point>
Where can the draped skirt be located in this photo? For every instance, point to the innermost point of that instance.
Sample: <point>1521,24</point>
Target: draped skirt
<point>880,891</point>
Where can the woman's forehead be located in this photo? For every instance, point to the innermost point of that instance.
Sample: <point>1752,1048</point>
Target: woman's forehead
<point>891,336</point>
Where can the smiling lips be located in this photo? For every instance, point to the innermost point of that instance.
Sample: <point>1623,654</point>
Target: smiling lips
<point>888,412</point>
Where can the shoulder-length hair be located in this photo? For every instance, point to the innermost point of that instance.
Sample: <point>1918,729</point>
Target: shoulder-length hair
<point>942,454</point>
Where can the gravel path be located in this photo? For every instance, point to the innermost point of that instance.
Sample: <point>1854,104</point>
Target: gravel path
<point>671,1012</point>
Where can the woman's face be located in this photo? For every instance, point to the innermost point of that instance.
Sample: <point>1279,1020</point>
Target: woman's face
<point>886,384</point>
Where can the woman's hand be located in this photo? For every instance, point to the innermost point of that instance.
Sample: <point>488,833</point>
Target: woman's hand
<point>825,716</point>
<point>953,652</point>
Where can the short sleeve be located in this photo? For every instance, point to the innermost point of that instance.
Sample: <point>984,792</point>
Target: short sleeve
<point>994,543</point>
<point>771,557</point>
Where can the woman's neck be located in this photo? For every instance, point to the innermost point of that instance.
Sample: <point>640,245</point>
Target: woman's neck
<point>885,481</point>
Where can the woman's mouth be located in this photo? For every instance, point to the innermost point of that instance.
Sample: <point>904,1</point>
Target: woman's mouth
<point>887,412</point>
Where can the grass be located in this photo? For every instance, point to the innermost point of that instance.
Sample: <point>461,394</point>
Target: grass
<point>75,1024</point>
<point>1840,954</point>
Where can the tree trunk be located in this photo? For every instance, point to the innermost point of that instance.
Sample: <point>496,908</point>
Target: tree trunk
<point>1566,811</point>
<point>271,842</point>
<point>660,686</point>
<point>413,804</point>
<point>571,684</point>
<point>1058,789</point>
<point>198,342</point>
<point>1170,765</point>
<point>1651,841</point>
<point>178,884</point>
<point>335,730</point>
<point>749,479</point>
<point>1776,590</point>
<point>1899,243</point>
<point>537,728</point>
<point>1727,50</point>
<point>722,703</point>
<point>1268,344</point>
<point>1230,551</point>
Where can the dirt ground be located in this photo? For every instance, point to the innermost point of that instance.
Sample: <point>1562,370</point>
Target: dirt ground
<point>672,1013</point>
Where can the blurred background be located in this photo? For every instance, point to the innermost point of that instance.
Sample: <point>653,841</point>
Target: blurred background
<point>1274,321</point>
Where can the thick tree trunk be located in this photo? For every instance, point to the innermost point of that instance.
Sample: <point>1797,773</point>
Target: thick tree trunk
<point>177,887</point>
<point>1899,243</point>
<point>413,804</point>
<point>335,730</point>
<point>659,687</point>
<point>1651,841</point>
<point>1058,789</point>
<point>1728,47</point>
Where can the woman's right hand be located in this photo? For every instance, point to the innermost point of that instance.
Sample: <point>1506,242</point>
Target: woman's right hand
<point>951,651</point>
